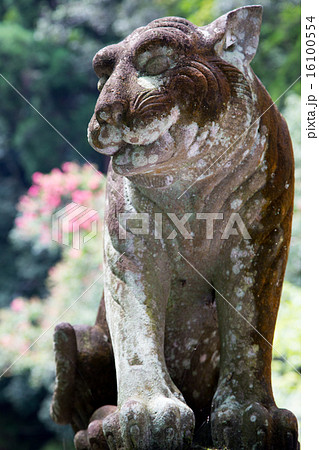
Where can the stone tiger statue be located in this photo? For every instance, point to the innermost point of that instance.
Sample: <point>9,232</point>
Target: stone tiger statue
<point>190,315</point>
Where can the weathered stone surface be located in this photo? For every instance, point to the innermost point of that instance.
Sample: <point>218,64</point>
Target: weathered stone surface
<point>85,373</point>
<point>192,132</point>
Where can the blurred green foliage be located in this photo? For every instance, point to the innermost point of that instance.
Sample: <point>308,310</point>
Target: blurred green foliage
<point>46,51</point>
<point>286,364</point>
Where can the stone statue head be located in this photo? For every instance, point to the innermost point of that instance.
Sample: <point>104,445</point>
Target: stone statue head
<point>169,90</point>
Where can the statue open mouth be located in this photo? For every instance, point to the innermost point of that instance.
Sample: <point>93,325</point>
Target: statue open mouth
<point>152,139</point>
<point>131,157</point>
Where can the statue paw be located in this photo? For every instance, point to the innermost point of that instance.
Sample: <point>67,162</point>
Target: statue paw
<point>85,374</point>
<point>285,429</point>
<point>65,358</point>
<point>162,423</point>
<point>93,437</point>
<point>237,426</point>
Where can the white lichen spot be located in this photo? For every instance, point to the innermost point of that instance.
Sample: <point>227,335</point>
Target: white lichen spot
<point>233,339</point>
<point>200,164</point>
<point>147,134</point>
<point>248,280</point>
<point>186,364</point>
<point>123,158</point>
<point>152,159</point>
<point>242,13</point>
<point>194,150</point>
<point>205,33</point>
<point>109,136</point>
<point>192,343</point>
<point>252,352</point>
<point>139,159</point>
<point>236,269</point>
<point>203,358</point>
<point>253,418</point>
<point>250,50</point>
<point>235,204</point>
<point>240,293</point>
<point>149,82</point>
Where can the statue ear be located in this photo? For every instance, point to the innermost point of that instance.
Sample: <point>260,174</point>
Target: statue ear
<point>236,35</point>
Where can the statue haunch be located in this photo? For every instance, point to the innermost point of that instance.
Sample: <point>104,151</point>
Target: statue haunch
<point>192,290</point>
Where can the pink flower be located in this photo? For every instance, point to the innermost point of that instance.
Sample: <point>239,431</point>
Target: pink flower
<point>95,182</point>
<point>6,341</point>
<point>69,166</point>
<point>52,271</point>
<point>48,182</point>
<point>34,190</point>
<point>17,304</point>
<point>25,202</point>
<point>20,222</point>
<point>24,221</point>
<point>53,200</point>
<point>75,253</point>
<point>37,177</point>
<point>71,182</point>
<point>87,225</point>
<point>53,180</point>
<point>45,239</point>
<point>81,196</point>
<point>51,191</point>
<point>23,347</point>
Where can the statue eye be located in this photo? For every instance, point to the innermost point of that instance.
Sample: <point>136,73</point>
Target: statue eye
<point>102,82</point>
<point>157,65</point>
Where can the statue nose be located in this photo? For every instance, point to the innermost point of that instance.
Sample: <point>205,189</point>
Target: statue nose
<point>110,113</point>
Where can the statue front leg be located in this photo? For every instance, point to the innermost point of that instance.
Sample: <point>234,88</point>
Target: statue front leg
<point>244,413</point>
<point>151,413</point>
